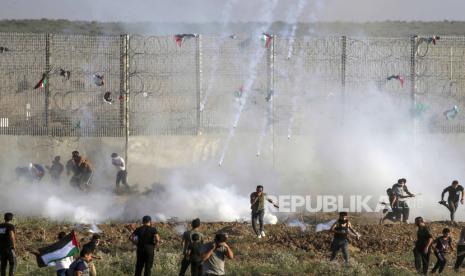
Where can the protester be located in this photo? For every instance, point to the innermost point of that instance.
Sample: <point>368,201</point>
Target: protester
<point>442,246</point>
<point>84,172</point>
<point>72,167</point>
<point>7,245</point>
<point>257,201</point>
<point>214,254</point>
<point>147,239</point>
<point>62,265</point>
<point>341,229</point>
<point>390,214</point>
<point>460,251</point>
<point>32,173</point>
<point>122,174</point>
<point>455,194</point>
<point>422,249</point>
<point>92,246</point>
<point>399,203</point>
<point>55,170</point>
<point>80,267</point>
<point>194,254</point>
<point>186,242</point>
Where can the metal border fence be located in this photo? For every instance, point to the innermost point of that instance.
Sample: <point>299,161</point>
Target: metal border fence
<point>189,84</point>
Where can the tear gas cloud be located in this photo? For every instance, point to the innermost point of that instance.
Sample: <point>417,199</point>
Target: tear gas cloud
<point>359,144</point>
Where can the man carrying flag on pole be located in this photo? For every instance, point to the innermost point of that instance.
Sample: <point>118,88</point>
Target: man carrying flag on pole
<point>67,246</point>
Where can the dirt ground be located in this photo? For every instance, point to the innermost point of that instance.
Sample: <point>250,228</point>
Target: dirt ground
<point>382,249</point>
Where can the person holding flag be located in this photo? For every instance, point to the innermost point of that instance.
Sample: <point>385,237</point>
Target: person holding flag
<point>60,254</point>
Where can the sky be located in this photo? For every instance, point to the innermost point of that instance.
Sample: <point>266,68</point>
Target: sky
<point>197,11</point>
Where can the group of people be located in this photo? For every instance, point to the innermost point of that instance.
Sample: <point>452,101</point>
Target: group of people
<point>205,258</point>
<point>441,246</point>
<point>79,167</point>
<point>208,258</point>
<point>399,194</point>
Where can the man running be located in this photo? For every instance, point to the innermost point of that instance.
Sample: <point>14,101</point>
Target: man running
<point>122,174</point>
<point>422,249</point>
<point>456,193</point>
<point>399,202</point>
<point>390,214</point>
<point>7,245</point>
<point>147,239</point>
<point>186,242</point>
<point>257,201</point>
<point>442,246</point>
<point>341,229</point>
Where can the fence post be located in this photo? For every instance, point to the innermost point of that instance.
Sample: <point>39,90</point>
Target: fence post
<point>270,54</point>
<point>343,76</point>
<point>413,50</point>
<point>343,66</point>
<point>47,86</point>
<point>124,92</point>
<point>198,81</point>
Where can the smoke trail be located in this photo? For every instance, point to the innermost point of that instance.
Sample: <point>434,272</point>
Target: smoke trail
<point>226,15</point>
<point>319,6</point>
<point>292,18</point>
<point>252,73</point>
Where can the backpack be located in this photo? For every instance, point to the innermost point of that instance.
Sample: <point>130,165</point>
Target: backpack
<point>390,193</point>
<point>195,252</point>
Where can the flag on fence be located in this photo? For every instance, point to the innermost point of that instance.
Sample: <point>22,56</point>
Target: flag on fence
<point>266,40</point>
<point>42,82</point>
<point>66,247</point>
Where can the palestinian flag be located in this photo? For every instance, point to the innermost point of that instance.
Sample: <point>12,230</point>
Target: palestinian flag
<point>66,247</point>
<point>42,82</point>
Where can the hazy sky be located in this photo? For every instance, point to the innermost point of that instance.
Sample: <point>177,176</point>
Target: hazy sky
<point>242,10</point>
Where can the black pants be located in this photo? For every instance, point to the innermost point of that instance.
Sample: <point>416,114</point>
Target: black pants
<point>421,260</point>
<point>7,256</point>
<point>196,269</point>
<point>144,262</point>
<point>257,215</point>
<point>340,244</point>
<point>122,176</point>
<point>452,206</point>
<point>460,256</point>
<point>401,209</point>
<point>441,262</point>
<point>184,265</point>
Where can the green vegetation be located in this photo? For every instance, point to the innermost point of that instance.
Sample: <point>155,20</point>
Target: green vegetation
<point>383,250</point>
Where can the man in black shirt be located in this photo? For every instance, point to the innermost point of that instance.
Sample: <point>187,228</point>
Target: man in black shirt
<point>455,192</point>
<point>341,229</point>
<point>186,242</point>
<point>146,238</point>
<point>7,245</point>
<point>441,246</point>
<point>422,250</point>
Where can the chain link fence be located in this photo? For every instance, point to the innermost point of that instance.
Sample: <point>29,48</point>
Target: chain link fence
<point>113,86</point>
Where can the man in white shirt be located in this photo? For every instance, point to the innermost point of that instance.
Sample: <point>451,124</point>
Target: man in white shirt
<point>122,175</point>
